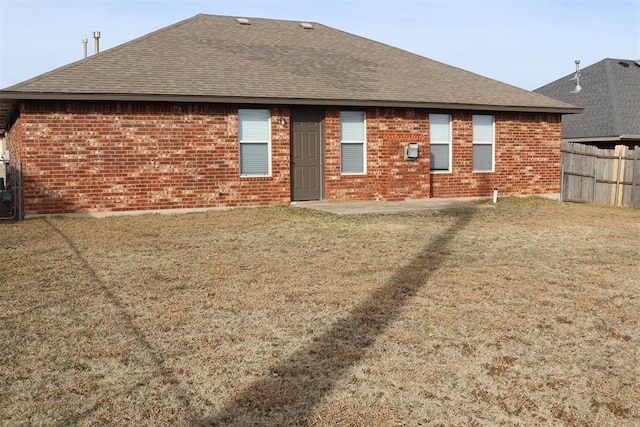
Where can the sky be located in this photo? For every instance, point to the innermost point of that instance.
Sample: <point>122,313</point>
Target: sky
<point>526,43</point>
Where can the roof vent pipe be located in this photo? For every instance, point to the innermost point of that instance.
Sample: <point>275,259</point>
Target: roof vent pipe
<point>576,77</point>
<point>84,42</point>
<point>96,39</point>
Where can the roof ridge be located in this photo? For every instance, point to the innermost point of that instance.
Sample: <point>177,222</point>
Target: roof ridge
<point>258,18</point>
<point>619,59</point>
<point>100,54</point>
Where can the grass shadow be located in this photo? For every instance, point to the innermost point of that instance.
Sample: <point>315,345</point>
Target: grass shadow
<point>292,388</point>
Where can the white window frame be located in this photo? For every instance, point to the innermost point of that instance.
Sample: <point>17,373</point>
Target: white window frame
<point>363,143</point>
<point>491,143</point>
<point>242,142</point>
<point>448,143</point>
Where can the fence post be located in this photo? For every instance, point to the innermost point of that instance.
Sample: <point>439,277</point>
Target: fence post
<point>622,157</point>
<point>634,179</point>
<point>562,183</point>
<point>595,181</point>
<point>20,207</point>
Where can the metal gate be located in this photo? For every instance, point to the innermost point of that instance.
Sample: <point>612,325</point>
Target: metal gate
<point>10,189</point>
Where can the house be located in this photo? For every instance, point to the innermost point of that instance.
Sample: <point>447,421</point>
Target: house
<point>219,111</point>
<point>610,95</point>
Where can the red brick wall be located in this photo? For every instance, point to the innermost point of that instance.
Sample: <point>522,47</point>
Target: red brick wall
<point>527,157</point>
<point>94,157</point>
<point>12,140</point>
<point>389,176</point>
<point>84,157</point>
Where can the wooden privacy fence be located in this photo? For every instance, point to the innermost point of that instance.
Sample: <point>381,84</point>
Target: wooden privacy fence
<point>593,175</point>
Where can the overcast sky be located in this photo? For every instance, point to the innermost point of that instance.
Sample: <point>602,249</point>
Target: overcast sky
<point>526,43</point>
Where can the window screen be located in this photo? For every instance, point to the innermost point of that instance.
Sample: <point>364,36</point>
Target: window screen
<point>351,157</point>
<point>482,157</point>
<point>254,159</point>
<point>440,157</point>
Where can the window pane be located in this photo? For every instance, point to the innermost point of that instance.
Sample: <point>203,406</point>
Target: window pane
<point>482,128</point>
<point>254,159</point>
<point>351,158</point>
<point>482,157</point>
<point>439,127</point>
<point>352,126</point>
<point>253,125</point>
<point>439,157</point>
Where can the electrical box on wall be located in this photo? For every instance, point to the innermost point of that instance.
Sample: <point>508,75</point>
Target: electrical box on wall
<point>411,151</point>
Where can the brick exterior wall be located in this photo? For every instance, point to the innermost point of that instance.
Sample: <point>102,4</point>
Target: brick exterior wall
<point>84,157</point>
<point>389,176</point>
<point>527,157</point>
<point>12,139</point>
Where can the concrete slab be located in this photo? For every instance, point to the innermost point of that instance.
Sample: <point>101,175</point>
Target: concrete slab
<point>378,207</point>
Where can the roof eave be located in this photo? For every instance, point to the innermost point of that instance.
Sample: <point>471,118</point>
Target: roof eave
<point>13,96</point>
<point>603,138</point>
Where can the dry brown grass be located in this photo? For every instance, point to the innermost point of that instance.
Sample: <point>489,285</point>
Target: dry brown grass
<point>527,314</point>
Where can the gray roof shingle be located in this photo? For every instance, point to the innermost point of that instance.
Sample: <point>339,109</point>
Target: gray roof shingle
<point>216,59</point>
<point>610,97</point>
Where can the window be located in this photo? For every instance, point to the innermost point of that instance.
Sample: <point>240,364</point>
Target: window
<point>254,131</point>
<point>483,143</point>
<point>440,147</point>
<point>352,142</point>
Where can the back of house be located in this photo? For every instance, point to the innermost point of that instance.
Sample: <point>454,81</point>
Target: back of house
<point>218,111</point>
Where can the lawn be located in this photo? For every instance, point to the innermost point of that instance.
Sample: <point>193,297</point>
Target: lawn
<point>526,314</point>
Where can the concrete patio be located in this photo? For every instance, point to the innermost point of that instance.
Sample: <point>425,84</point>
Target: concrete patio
<point>379,207</point>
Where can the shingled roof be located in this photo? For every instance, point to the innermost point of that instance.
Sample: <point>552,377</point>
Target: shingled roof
<point>224,59</point>
<point>610,96</point>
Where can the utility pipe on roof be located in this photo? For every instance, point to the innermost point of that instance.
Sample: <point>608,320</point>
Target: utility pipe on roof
<point>84,42</point>
<point>96,39</point>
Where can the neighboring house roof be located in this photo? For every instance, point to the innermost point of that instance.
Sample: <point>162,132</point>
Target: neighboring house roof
<point>211,58</point>
<point>610,97</point>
